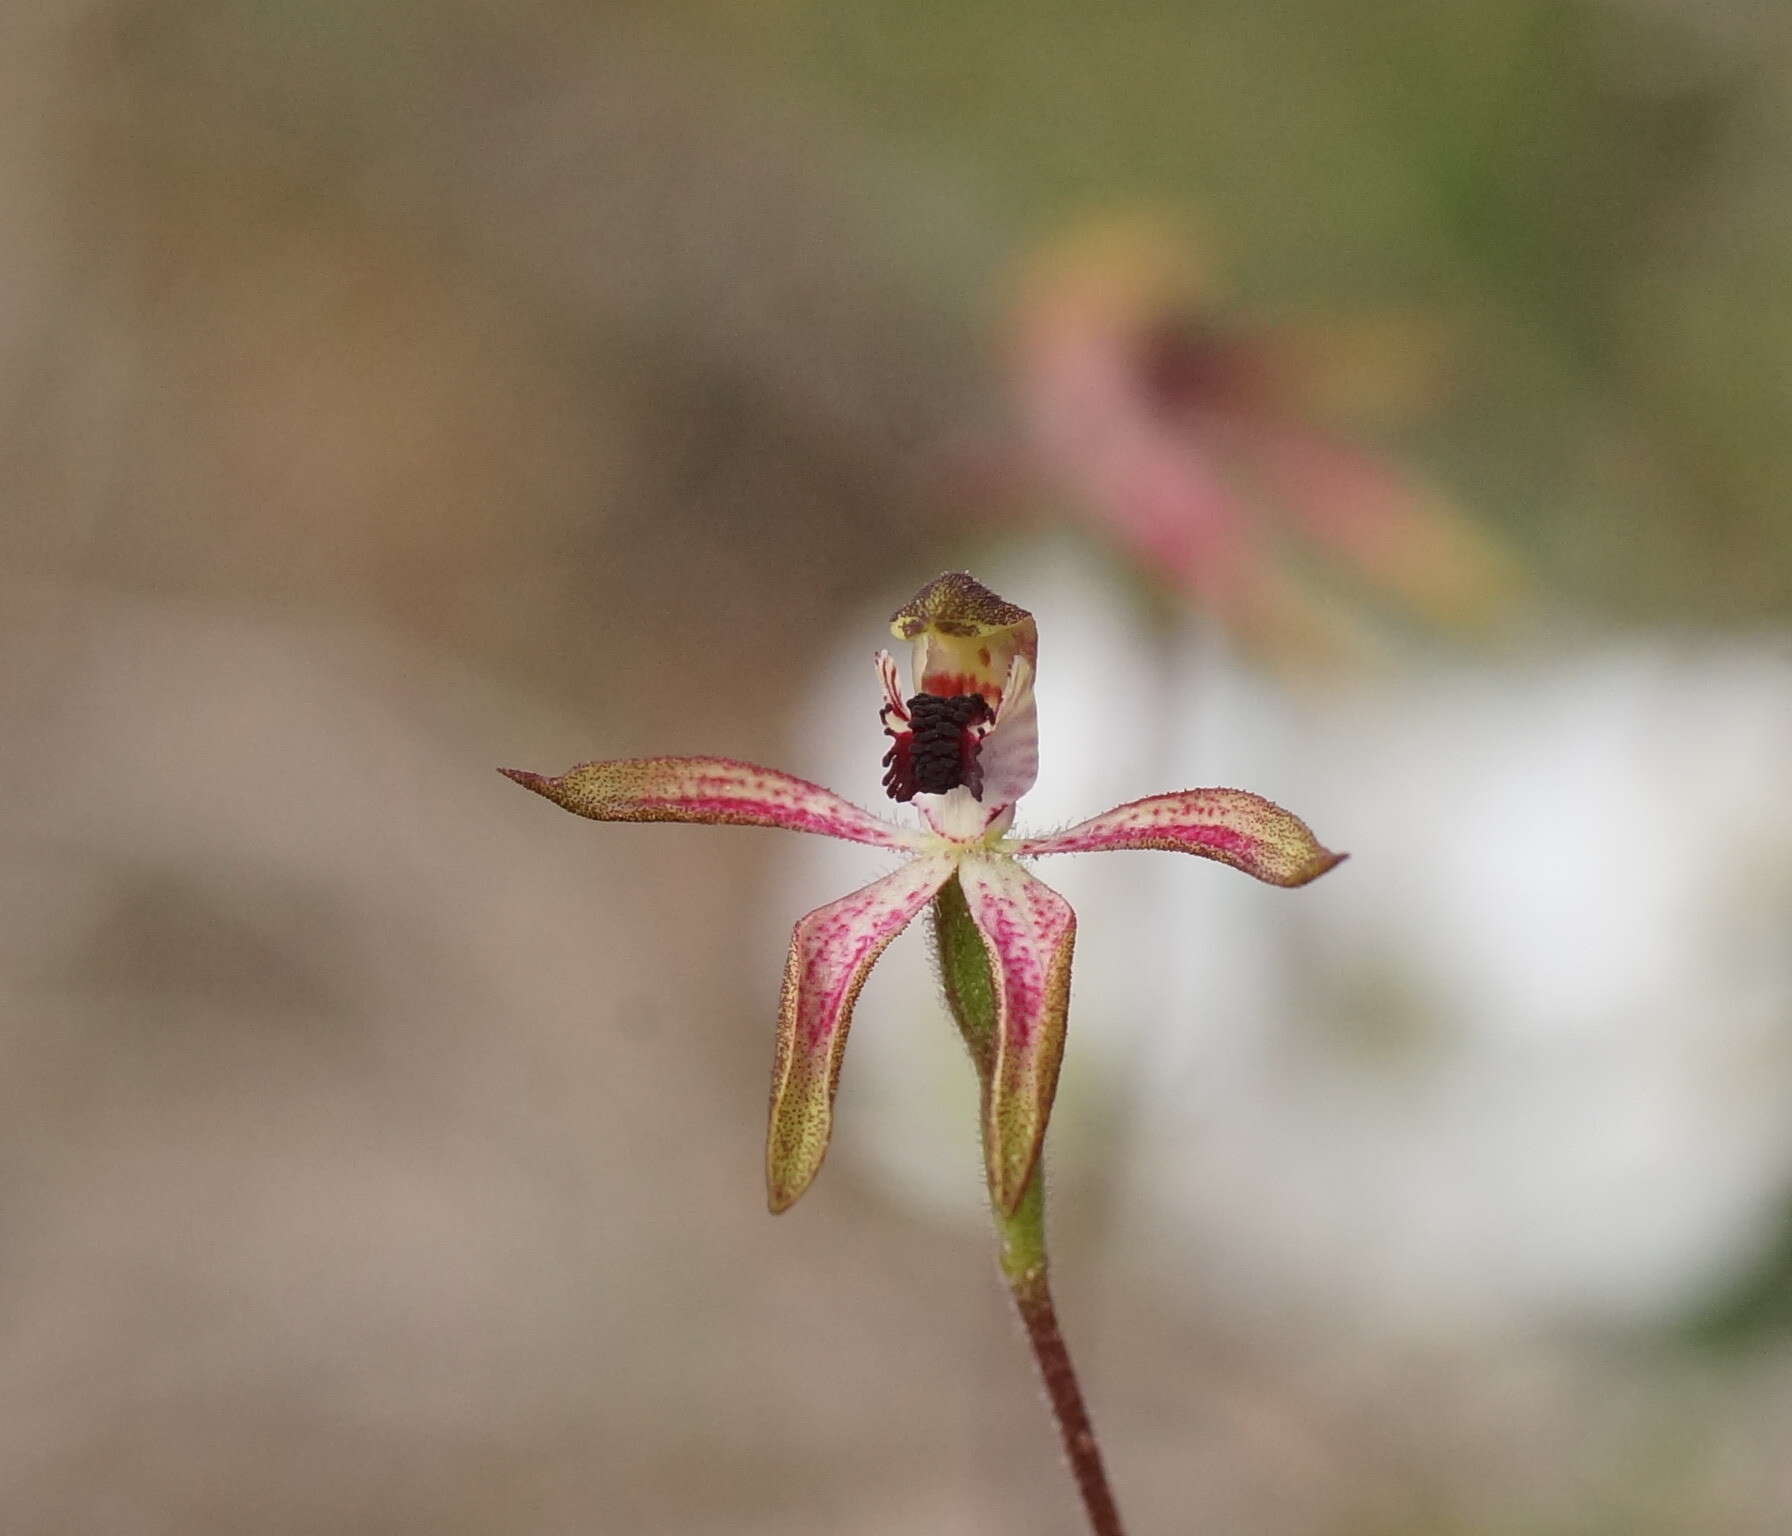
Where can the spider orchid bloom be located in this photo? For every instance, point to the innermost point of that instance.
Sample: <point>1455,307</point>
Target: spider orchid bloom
<point>963,750</point>
<point>1197,440</point>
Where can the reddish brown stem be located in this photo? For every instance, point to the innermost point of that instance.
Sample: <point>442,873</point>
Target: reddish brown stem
<point>1033,1300</point>
<point>970,992</point>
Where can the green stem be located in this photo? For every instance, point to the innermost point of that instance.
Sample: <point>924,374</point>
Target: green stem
<point>970,995</point>
<point>1023,1238</point>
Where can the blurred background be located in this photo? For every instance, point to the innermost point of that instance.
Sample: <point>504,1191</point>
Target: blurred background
<point>1383,410</point>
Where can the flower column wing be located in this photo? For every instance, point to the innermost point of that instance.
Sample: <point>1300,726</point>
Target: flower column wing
<point>1231,825</point>
<point>1028,931</point>
<point>831,952</point>
<point>718,790</point>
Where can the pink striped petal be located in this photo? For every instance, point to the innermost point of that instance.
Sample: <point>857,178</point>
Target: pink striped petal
<point>831,952</point>
<point>1029,931</point>
<point>711,789</point>
<point>1231,825</point>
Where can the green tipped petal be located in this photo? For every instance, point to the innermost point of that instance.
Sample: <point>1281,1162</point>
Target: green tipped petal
<point>717,790</point>
<point>832,951</point>
<point>1029,931</point>
<point>1230,825</point>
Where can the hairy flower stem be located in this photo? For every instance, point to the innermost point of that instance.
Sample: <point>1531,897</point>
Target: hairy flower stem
<point>970,994</point>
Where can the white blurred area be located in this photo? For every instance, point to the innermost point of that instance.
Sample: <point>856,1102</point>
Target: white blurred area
<point>1520,1064</point>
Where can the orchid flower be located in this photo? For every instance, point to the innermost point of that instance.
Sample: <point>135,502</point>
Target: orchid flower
<point>1196,440</point>
<point>963,748</point>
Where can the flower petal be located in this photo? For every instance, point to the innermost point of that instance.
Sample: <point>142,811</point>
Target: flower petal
<point>895,710</point>
<point>1405,536</point>
<point>960,817</point>
<point>1010,752</point>
<point>1231,825</point>
<point>832,951</point>
<point>1029,931</point>
<point>710,789</point>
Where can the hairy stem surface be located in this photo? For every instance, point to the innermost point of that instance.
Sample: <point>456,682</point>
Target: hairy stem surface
<point>970,994</point>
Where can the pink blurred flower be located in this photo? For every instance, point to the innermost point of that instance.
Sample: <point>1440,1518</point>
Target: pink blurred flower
<point>1194,439</point>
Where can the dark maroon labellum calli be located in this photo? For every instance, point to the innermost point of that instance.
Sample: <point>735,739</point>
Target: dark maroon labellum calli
<point>938,752</point>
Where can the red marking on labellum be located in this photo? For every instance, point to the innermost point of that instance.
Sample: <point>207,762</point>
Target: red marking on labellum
<point>953,685</point>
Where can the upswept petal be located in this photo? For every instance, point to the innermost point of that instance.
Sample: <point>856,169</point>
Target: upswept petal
<point>832,951</point>
<point>1010,752</point>
<point>1029,931</point>
<point>711,789</point>
<point>895,708</point>
<point>1231,825</point>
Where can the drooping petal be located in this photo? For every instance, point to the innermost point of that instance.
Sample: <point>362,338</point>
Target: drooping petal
<point>1405,536</point>
<point>832,951</point>
<point>1029,931</point>
<point>1231,825</point>
<point>718,790</point>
